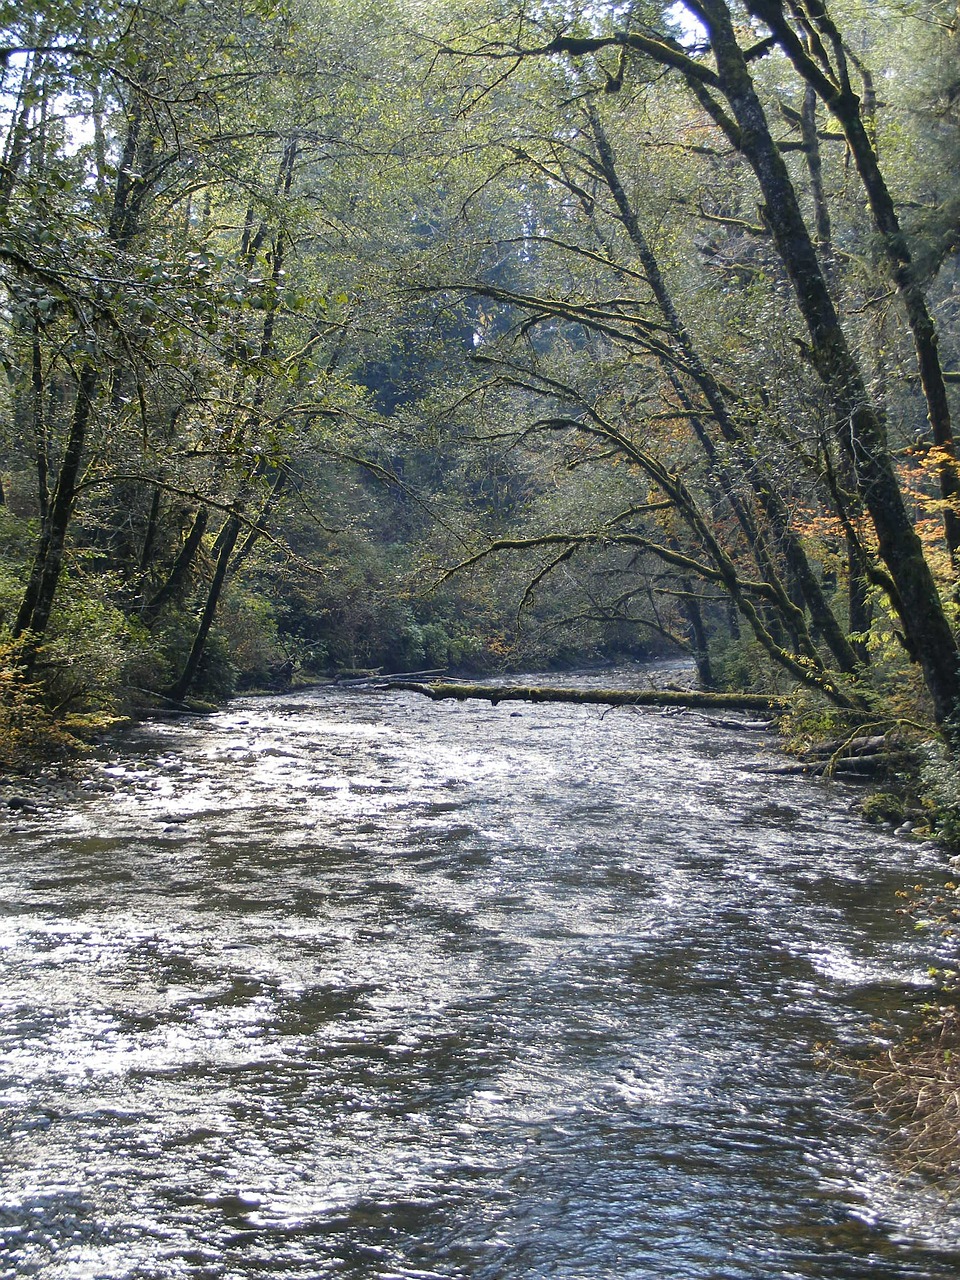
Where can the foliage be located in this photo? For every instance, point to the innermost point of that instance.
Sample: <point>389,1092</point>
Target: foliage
<point>941,782</point>
<point>913,1078</point>
<point>29,731</point>
<point>451,336</point>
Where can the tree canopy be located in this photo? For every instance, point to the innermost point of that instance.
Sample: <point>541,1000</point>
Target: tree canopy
<point>419,335</point>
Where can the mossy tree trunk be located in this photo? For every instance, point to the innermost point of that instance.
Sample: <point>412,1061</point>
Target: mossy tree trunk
<point>858,427</point>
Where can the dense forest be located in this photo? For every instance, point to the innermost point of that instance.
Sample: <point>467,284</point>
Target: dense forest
<point>478,337</point>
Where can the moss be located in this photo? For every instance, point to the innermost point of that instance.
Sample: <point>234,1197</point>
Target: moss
<point>883,806</point>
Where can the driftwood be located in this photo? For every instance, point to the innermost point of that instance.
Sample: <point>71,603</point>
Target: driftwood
<point>875,744</point>
<point>866,757</point>
<point>365,675</point>
<point>756,726</point>
<point>872,765</point>
<point>594,697</point>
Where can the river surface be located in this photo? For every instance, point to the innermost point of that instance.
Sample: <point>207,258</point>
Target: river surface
<point>341,984</point>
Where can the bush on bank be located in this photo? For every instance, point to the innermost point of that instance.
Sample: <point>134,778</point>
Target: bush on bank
<point>914,1078</point>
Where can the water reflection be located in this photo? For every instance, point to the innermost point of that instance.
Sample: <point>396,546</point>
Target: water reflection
<point>340,986</point>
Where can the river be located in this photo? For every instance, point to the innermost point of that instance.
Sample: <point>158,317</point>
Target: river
<point>341,984</point>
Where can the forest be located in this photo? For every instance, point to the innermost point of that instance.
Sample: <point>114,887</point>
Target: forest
<point>349,337</point>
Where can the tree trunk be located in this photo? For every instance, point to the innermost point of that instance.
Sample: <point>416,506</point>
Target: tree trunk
<point>256,529</point>
<point>150,533</point>
<point>857,594</point>
<point>37,603</point>
<point>858,426</point>
<point>590,697</point>
<point>698,634</point>
<point>38,421</point>
<point>769,499</point>
<point>181,687</point>
<point>811,149</point>
<point>843,102</point>
<point>17,143</point>
<point>181,567</point>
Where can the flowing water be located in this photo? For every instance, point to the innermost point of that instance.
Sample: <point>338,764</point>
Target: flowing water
<point>341,984</point>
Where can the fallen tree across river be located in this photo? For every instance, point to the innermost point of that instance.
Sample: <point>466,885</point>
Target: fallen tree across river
<point>680,698</point>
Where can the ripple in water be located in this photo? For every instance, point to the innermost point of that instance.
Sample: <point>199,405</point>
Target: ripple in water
<point>362,987</point>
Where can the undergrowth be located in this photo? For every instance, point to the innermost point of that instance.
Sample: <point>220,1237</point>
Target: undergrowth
<point>915,1085</point>
<point>915,1082</point>
<point>30,733</point>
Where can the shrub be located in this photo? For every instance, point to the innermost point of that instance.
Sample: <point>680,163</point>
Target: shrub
<point>93,653</point>
<point>29,733</point>
<point>245,638</point>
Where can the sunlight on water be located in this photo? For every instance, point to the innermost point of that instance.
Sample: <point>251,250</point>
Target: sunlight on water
<point>357,986</point>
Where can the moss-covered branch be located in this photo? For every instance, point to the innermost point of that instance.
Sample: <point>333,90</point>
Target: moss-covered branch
<point>440,691</point>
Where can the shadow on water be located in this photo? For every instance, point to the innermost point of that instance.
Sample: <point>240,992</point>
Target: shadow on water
<point>342,986</point>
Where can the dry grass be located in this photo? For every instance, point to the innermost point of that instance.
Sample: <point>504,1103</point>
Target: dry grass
<point>916,1085</point>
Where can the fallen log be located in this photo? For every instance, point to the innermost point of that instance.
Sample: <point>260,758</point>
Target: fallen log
<point>351,676</point>
<point>873,745</point>
<point>595,697</point>
<point>756,726</point>
<point>864,766</point>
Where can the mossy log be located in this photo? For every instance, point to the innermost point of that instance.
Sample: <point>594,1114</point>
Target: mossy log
<point>595,697</point>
